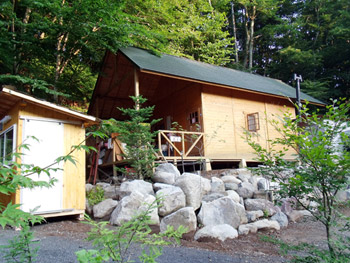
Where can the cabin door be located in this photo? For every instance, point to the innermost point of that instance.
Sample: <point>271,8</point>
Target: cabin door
<point>43,153</point>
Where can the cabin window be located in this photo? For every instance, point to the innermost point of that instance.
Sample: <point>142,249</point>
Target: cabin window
<point>253,122</point>
<point>194,117</point>
<point>7,144</point>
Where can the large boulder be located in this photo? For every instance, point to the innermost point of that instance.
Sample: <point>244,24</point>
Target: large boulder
<point>221,232</point>
<point>231,186</point>
<point>172,199</point>
<point>217,185</point>
<point>104,209</point>
<point>166,173</point>
<point>190,184</point>
<point>233,195</point>
<point>205,186</point>
<point>246,190</point>
<point>266,224</point>
<point>110,192</point>
<point>263,184</point>
<point>246,229</point>
<point>158,186</point>
<point>184,216</point>
<point>230,179</point>
<point>141,186</point>
<point>297,215</point>
<point>281,218</point>
<point>260,204</point>
<point>222,211</point>
<point>131,206</point>
<point>212,196</point>
<point>254,215</point>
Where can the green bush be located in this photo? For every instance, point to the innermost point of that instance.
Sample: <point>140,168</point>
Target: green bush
<point>95,195</point>
<point>114,244</point>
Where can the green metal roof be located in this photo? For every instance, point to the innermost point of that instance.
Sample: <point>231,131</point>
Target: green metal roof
<point>194,70</point>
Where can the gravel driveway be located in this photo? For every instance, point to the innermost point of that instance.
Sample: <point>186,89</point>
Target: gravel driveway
<point>61,249</point>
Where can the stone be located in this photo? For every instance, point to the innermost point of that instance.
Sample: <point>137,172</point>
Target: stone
<point>217,185</point>
<point>281,218</point>
<point>221,232</point>
<point>233,195</point>
<point>88,208</point>
<point>243,174</point>
<point>212,196</point>
<point>104,209</point>
<point>141,186</point>
<point>172,199</point>
<point>158,186</point>
<point>110,192</point>
<point>288,205</point>
<point>260,204</point>
<point>132,205</point>
<point>266,224</point>
<point>254,215</point>
<point>168,168</point>
<point>246,229</point>
<point>253,180</point>
<point>246,190</point>
<point>103,185</point>
<point>184,216</point>
<point>205,186</point>
<point>222,211</point>
<point>153,212</point>
<point>263,184</point>
<point>88,187</point>
<point>343,195</point>
<point>261,194</point>
<point>230,179</point>
<point>296,215</point>
<point>190,184</point>
<point>231,186</point>
<point>163,177</point>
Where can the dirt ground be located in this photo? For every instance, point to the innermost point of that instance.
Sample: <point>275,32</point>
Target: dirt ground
<point>306,230</point>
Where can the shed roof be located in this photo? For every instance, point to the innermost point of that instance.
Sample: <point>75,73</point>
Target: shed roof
<point>9,98</point>
<point>199,71</point>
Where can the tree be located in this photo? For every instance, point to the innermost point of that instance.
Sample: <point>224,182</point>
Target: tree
<point>136,133</point>
<point>46,44</point>
<point>192,29</point>
<point>321,167</point>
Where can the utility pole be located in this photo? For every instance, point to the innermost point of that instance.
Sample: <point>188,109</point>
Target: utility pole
<point>298,79</point>
<point>234,31</point>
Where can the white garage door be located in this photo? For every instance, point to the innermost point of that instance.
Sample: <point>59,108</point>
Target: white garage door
<point>43,153</point>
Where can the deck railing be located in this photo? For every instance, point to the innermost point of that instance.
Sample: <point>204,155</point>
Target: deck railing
<point>172,144</point>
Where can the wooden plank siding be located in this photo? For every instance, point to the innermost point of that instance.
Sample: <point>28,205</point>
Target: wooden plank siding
<point>74,175</point>
<point>225,120</point>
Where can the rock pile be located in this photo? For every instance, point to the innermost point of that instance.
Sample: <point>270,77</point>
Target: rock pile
<point>220,208</point>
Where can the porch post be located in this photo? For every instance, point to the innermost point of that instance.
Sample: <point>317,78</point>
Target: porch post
<point>137,87</point>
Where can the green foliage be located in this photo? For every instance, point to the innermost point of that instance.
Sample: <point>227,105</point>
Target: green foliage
<point>136,133</point>
<point>21,247</point>
<point>116,244</point>
<point>95,195</point>
<point>321,164</point>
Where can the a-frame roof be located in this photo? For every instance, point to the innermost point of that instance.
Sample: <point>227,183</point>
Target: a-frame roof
<point>203,72</point>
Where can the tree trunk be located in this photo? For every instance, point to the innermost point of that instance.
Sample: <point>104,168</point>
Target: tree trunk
<point>251,38</point>
<point>234,33</point>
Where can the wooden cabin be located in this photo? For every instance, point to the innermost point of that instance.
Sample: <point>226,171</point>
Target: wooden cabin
<point>212,103</point>
<point>57,129</point>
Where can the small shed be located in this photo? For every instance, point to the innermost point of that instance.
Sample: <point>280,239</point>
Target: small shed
<point>56,129</point>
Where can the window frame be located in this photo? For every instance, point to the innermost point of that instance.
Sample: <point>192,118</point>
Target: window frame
<point>3,146</point>
<point>253,124</point>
